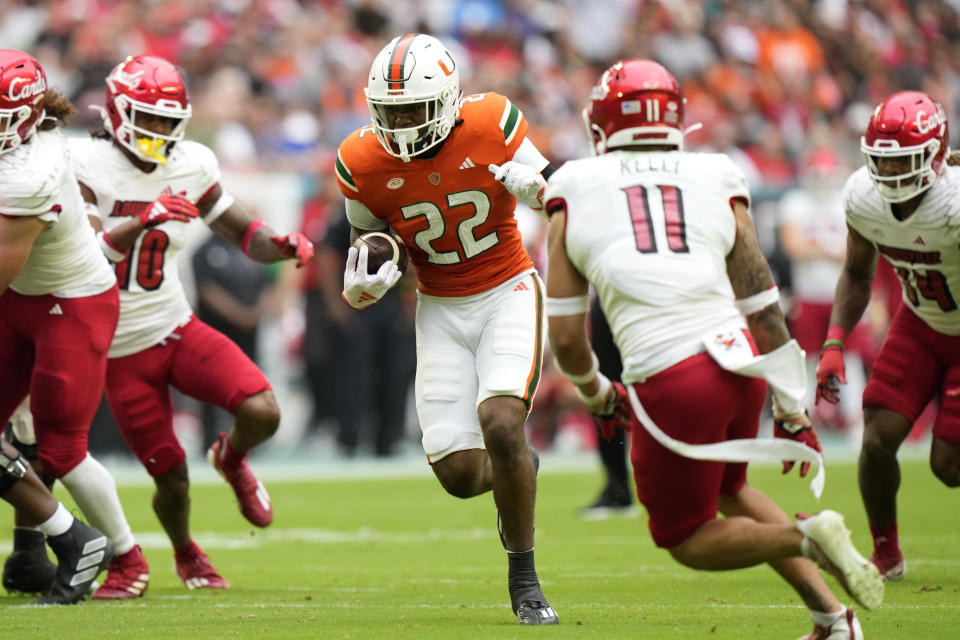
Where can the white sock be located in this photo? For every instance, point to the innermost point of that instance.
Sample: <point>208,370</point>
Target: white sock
<point>57,524</point>
<point>824,619</point>
<point>95,492</point>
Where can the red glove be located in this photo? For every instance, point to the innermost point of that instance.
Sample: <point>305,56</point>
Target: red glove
<point>616,413</point>
<point>798,433</point>
<point>166,208</point>
<point>294,245</point>
<point>830,372</point>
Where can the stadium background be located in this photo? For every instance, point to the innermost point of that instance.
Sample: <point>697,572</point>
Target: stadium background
<point>361,551</point>
<point>276,84</point>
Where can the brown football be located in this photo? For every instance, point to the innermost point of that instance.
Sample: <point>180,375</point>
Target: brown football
<point>383,246</point>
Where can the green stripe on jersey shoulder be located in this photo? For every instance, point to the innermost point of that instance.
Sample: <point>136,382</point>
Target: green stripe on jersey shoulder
<point>510,121</point>
<point>344,174</point>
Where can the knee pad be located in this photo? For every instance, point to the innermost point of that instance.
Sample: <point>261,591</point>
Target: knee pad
<point>12,470</point>
<point>438,442</point>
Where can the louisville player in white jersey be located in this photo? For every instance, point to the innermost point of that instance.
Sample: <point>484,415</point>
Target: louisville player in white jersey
<point>444,172</point>
<point>904,205</point>
<point>666,239</point>
<point>813,233</point>
<point>58,311</point>
<point>143,182</point>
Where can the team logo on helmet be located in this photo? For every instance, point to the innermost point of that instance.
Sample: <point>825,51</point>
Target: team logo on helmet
<point>926,124</point>
<point>20,91</point>
<point>129,80</point>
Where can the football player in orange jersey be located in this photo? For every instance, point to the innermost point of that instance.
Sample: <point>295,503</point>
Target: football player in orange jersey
<point>445,172</point>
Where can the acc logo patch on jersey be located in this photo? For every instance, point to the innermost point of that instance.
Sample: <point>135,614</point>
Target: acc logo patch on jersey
<point>395,183</point>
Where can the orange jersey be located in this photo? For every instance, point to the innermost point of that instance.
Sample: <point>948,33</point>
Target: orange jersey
<point>457,221</point>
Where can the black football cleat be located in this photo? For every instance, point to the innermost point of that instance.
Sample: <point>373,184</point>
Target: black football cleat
<point>28,569</point>
<point>82,552</point>
<point>531,606</point>
<point>610,504</point>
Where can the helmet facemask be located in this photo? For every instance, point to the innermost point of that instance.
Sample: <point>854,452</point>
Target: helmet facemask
<point>434,118</point>
<point>145,143</point>
<point>12,127</point>
<point>908,184</point>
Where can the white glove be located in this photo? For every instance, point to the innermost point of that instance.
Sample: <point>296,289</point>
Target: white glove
<point>521,180</point>
<point>360,289</point>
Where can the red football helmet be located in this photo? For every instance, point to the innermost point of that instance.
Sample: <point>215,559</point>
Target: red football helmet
<point>146,85</point>
<point>23,90</point>
<point>635,102</point>
<point>912,125</point>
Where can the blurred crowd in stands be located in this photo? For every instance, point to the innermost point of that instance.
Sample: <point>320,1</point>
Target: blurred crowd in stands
<point>783,86</point>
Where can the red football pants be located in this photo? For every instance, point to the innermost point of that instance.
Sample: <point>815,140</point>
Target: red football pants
<point>698,402</point>
<point>55,349</point>
<point>199,362</point>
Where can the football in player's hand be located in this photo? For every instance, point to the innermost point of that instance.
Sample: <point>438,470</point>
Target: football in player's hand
<point>383,246</point>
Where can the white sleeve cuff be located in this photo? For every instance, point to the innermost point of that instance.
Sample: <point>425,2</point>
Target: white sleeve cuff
<point>527,153</point>
<point>582,378</point>
<point>568,306</point>
<point>758,301</point>
<point>219,207</point>
<point>109,249</point>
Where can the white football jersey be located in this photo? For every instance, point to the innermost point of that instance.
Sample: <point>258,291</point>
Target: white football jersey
<point>152,300</point>
<point>36,180</point>
<point>924,249</point>
<point>651,232</point>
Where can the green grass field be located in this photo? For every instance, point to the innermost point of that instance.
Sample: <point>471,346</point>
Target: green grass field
<point>398,558</point>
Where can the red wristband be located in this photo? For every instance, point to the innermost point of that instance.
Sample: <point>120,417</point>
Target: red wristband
<point>109,242</point>
<point>248,235</point>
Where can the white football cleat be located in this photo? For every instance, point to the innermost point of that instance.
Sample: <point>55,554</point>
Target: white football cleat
<point>826,541</point>
<point>847,627</point>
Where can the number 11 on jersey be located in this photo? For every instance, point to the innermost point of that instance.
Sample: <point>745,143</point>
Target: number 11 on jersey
<point>641,215</point>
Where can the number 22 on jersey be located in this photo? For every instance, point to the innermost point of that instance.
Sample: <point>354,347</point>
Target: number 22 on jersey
<point>437,226</point>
